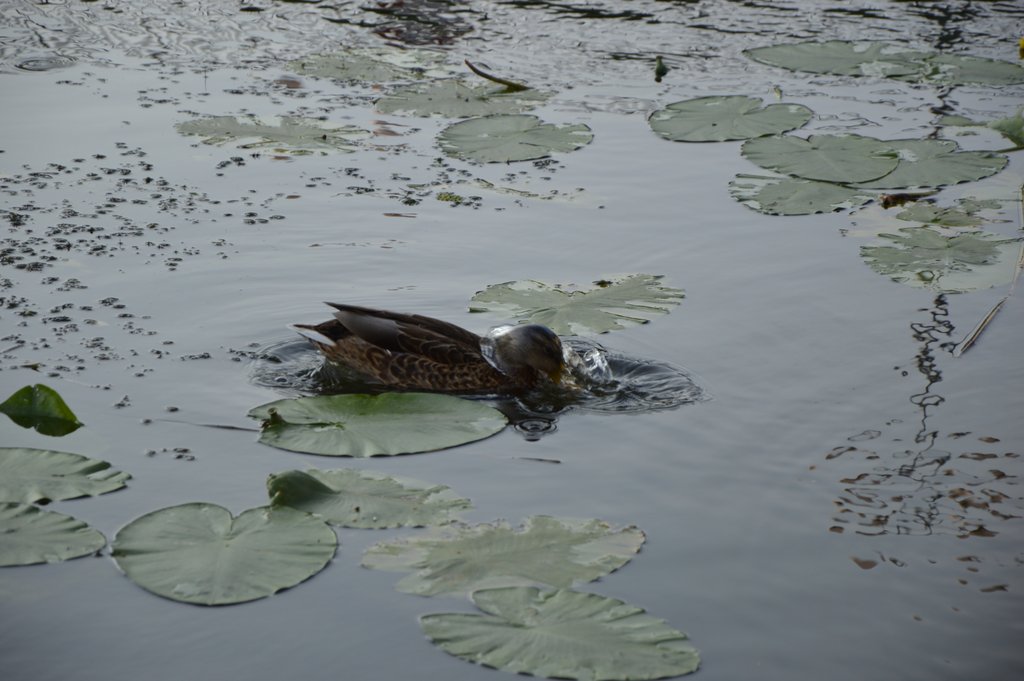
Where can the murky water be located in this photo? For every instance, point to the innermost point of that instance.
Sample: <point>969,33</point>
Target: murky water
<point>846,505</point>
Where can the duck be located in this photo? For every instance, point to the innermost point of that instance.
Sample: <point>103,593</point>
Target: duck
<point>414,352</point>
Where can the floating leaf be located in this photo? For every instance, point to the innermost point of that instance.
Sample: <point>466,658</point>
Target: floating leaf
<point>718,119</point>
<point>40,407</point>
<point>840,58</point>
<point>964,215</point>
<point>791,196</point>
<point>372,425</point>
<point>563,634</point>
<point>934,163</point>
<point>32,475</point>
<point>454,99</point>
<point>460,558</point>
<point>830,158</point>
<point>506,138</point>
<point>198,553</point>
<point>924,257</point>
<point>963,69</point>
<point>373,65</point>
<point>608,307</point>
<point>30,535</point>
<point>859,58</point>
<point>364,499</point>
<point>298,135</point>
<point>1012,128</point>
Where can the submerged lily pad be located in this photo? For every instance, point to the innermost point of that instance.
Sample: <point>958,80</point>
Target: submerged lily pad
<point>373,65</point>
<point>507,138</point>
<point>563,634</point>
<point>373,425</point>
<point>365,499</point>
<point>287,133</point>
<point>198,553</point>
<point>924,257</point>
<point>40,407</point>
<point>964,214</point>
<point>718,119</point>
<point>32,475</point>
<point>934,163</point>
<point>611,305</point>
<point>830,158</point>
<point>862,58</point>
<point>455,99</point>
<point>792,196</point>
<point>30,535</point>
<point>460,558</point>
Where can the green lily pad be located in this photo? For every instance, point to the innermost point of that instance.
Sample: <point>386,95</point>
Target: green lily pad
<point>840,58</point>
<point>286,134</point>
<point>924,257</point>
<point>506,138</point>
<point>830,158</point>
<point>611,305</point>
<point>199,553</point>
<point>454,99</point>
<point>375,425</point>
<point>963,69</point>
<point>792,196</point>
<point>934,163</point>
<point>364,499</point>
<point>460,558</point>
<point>30,535</point>
<point>563,634</point>
<point>965,214</point>
<point>860,58</point>
<point>373,65</point>
<point>40,407</point>
<point>1011,127</point>
<point>718,119</point>
<point>31,475</point>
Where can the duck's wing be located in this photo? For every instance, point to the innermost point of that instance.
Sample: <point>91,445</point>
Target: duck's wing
<point>433,339</point>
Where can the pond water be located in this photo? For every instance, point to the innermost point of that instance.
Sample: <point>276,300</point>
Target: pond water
<point>846,505</point>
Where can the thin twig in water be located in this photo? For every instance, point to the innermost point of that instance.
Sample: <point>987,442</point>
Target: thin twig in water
<point>510,86</point>
<point>965,345</point>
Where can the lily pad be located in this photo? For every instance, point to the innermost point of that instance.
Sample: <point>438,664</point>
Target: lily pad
<point>964,69</point>
<point>924,257</point>
<point>32,475</point>
<point>611,305</point>
<point>454,99</point>
<point>373,65</point>
<point>934,163</point>
<point>364,499</point>
<point>563,634</point>
<point>792,196</point>
<point>30,535</point>
<point>964,214</point>
<point>375,425</point>
<point>199,553</point>
<point>40,407</point>
<point>460,558</point>
<point>861,58</point>
<point>507,138</point>
<point>718,119</point>
<point>286,134</point>
<point>840,58</point>
<point>830,158</point>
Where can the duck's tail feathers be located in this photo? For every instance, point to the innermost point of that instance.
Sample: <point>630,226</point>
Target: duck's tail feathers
<point>312,334</point>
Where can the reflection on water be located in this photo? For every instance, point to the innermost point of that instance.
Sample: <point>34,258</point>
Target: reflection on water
<point>945,483</point>
<point>607,382</point>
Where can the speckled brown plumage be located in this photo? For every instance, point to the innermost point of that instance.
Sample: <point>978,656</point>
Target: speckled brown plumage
<point>413,352</point>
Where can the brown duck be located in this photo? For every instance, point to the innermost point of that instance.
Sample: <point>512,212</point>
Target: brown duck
<point>413,352</point>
